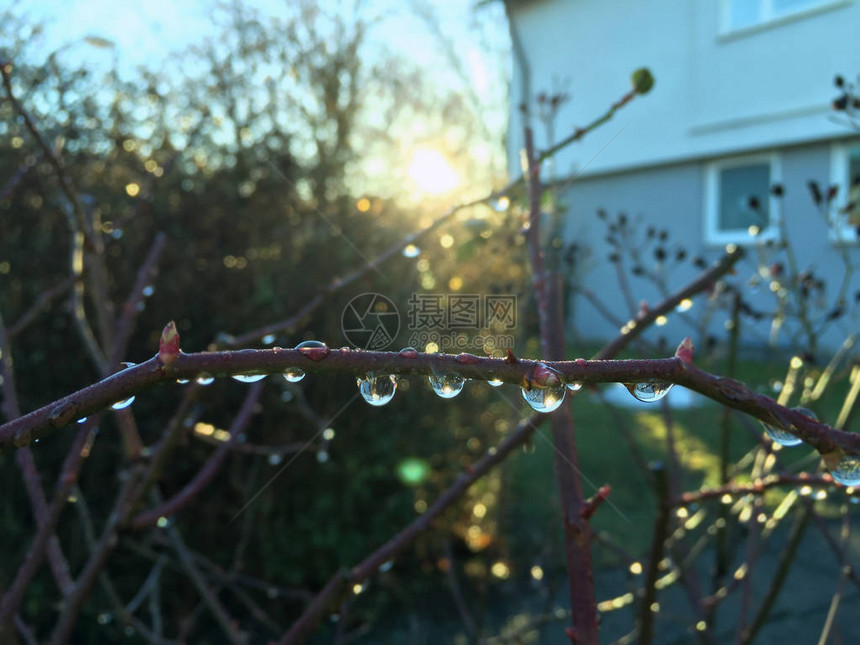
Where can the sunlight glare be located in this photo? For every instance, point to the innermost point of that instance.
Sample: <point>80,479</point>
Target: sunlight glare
<point>431,172</point>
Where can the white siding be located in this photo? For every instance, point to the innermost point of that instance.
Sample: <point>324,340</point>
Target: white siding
<point>714,95</point>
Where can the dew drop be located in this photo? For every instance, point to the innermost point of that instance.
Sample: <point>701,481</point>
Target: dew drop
<point>182,381</point>
<point>649,391</point>
<point>377,390</point>
<point>847,471</point>
<point>249,378</point>
<point>545,399</point>
<point>780,436</point>
<point>82,420</point>
<point>294,374</point>
<point>163,522</point>
<point>409,352</point>
<point>785,437</point>
<point>274,460</point>
<point>205,379</point>
<point>574,386</point>
<point>495,382</point>
<point>120,405</point>
<point>447,385</point>
<point>322,456</point>
<point>268,339</point>
<point>386,566</point>
<point>411,251</point>
<point>148,290</point>
<point>313,349</point>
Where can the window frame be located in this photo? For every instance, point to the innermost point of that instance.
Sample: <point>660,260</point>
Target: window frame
<point>768,16</point>
<point>840,232</point>
<point>713,170</point>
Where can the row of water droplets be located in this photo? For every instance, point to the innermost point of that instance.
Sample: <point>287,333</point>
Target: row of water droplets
<point>847,469</point>
<point>378,390</point>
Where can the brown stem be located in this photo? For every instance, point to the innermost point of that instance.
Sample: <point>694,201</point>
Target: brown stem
<point>65,183</point>
<point>648,607</point>
<point>206,473</point>
<point>640,324</point>
<point>135,379</point>
<point>224,620</point>
<point>125,324</point>
<point>757,487</point>
<point>786,559</point>
<point>342,582</point>
<point>41,302</point>
<point>549,295</point>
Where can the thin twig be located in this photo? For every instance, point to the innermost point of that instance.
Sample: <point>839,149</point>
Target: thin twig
<point>328,597</point>
<point>648,608</point>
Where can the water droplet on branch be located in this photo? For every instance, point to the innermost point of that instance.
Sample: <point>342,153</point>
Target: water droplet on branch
<point>205,379</point>
<point>847,471</point>
<point>409,352</point>
<point>574,386</point>
<point>447,385</point>
<point>780,436</point>
<point>785,437</point>
<point>119,405</point>
<point>649,391</point>
<point>544,399</point>
<point>314,349</point>
<point>411,251</point>
<point>249,378</point>
<point>294,374</point>
<point>377,390</point>
<point>495,382</point>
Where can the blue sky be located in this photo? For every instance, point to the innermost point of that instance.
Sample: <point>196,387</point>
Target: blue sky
<point>146,31</point>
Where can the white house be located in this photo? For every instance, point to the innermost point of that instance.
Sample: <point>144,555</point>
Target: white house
<point>742,101</point>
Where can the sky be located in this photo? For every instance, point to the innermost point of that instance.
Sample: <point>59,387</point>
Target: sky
<point>95,33</point>
<point>146,31</point>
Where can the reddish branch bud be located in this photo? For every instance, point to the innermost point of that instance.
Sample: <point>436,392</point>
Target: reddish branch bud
<point>543,376</point>
<point>685,351</point>
<point>510,359</point>
<point>591,505</point>
<point>168,345</point>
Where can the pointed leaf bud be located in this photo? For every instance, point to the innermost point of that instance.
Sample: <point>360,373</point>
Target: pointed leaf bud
<point>168,345</point>
<point>685,351</point>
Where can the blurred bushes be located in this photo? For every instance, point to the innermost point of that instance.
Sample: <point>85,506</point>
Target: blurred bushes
<point>243,155</point>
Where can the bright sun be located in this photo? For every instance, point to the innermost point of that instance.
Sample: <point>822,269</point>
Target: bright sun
<point>431,172</point>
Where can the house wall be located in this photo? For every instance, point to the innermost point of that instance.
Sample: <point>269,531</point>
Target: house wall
<point>766,89</point>
<point>671,197</point>
<point>715,94</point>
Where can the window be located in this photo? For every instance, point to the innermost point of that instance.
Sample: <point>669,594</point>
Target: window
<point>739,207</point>
<point>845,173</point>
<point>744,14</point>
